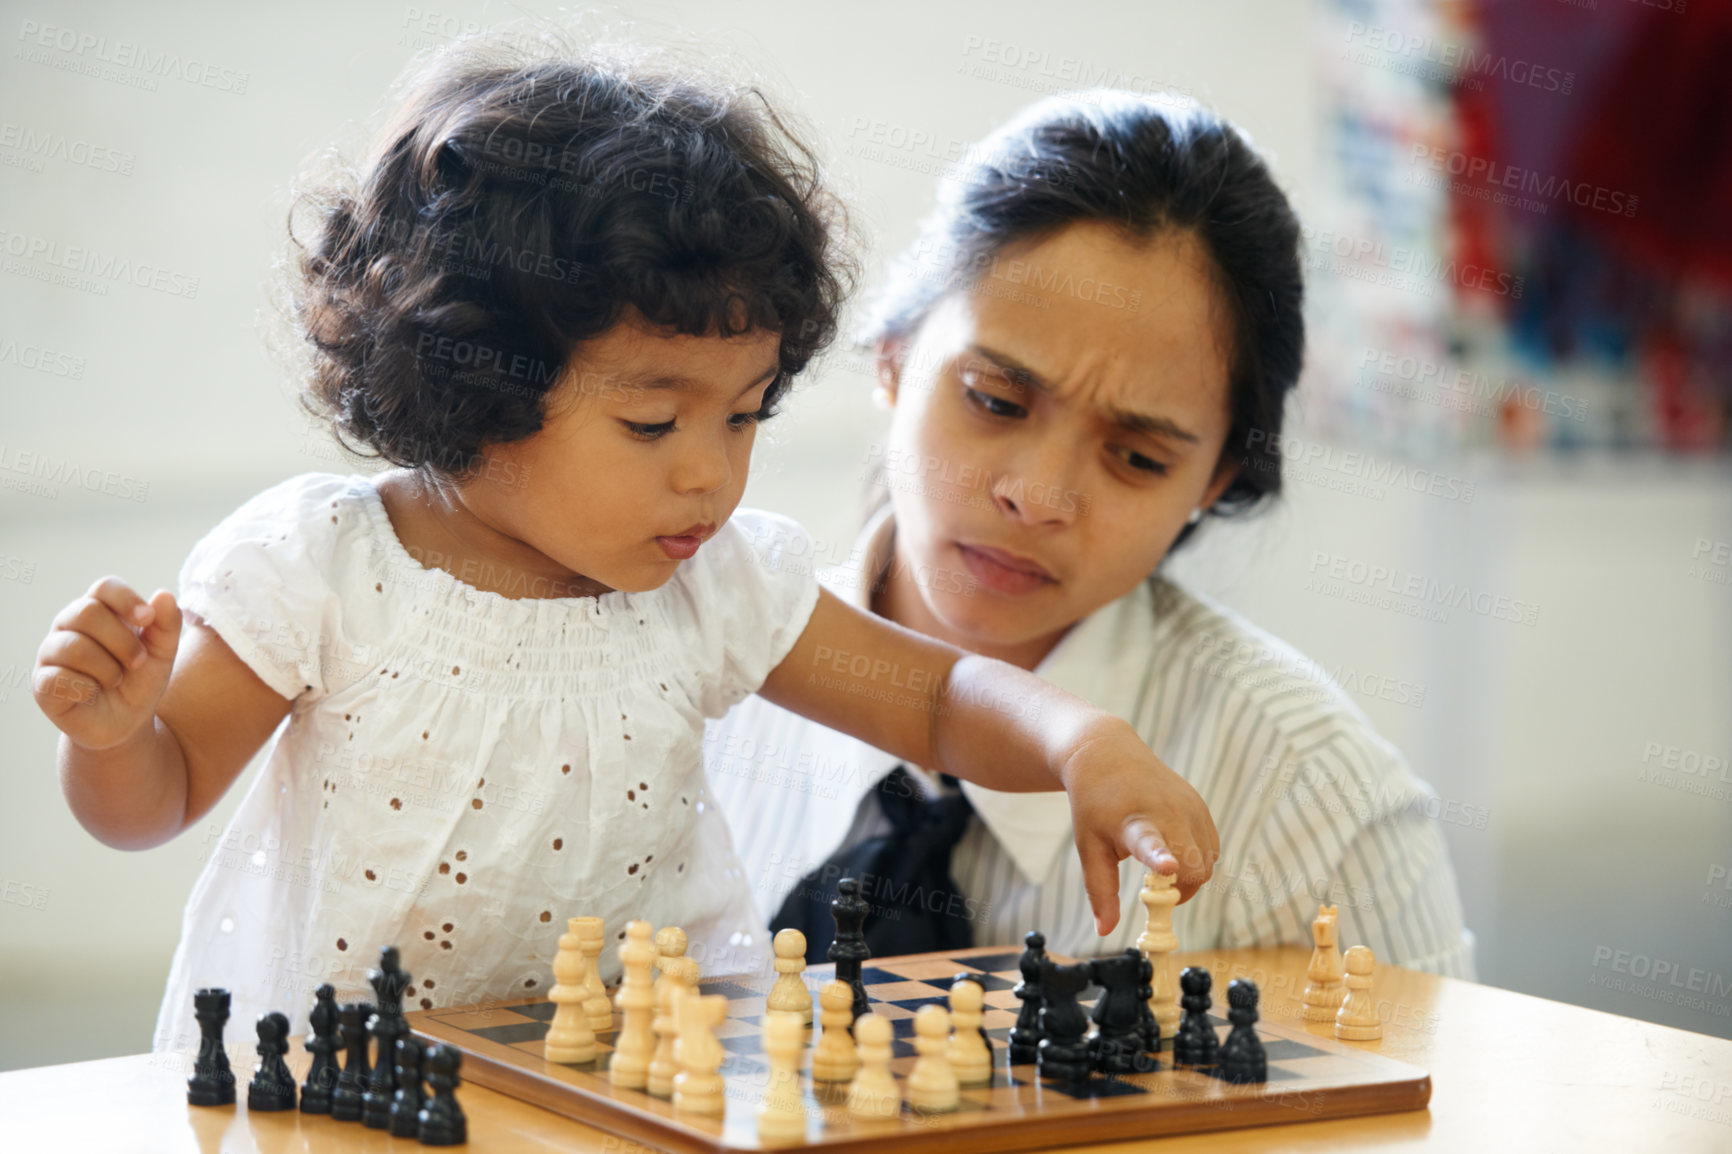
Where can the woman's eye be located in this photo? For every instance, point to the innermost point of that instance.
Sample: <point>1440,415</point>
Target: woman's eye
<point>997,406</point>
<point>1143,464</point>
<point>739,422</point>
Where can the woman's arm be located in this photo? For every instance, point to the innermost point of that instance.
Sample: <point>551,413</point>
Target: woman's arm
<point>989,722</point>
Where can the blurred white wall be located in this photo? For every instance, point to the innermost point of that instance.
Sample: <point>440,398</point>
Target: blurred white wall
<point>1541,728</point>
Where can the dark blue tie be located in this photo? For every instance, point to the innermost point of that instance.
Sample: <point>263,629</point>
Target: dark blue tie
<point>904,876</point>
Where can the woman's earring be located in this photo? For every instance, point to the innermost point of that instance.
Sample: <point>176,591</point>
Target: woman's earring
<point>881,398</point>
<point>1196,515</point>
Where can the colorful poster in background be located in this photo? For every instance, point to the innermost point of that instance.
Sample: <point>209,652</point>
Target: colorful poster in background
<point>1526,243</point>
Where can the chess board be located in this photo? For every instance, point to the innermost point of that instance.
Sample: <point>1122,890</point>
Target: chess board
<point>1311,1075</point>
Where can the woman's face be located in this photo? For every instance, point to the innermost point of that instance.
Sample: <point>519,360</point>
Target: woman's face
<point>1054,425</point>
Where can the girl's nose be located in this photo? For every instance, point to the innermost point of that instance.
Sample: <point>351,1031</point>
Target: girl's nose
<point>705,469</point>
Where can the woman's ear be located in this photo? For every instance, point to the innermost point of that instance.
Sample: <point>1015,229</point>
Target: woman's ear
<point>887,356</point>
<point>1225,470</point>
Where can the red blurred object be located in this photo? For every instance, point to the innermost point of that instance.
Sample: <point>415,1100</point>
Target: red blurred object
<point>1662,126</point>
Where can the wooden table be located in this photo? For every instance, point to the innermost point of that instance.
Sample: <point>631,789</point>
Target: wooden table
<point>1509,1072</point>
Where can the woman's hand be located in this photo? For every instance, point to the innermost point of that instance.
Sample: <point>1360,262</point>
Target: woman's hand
<point>1126,802</point>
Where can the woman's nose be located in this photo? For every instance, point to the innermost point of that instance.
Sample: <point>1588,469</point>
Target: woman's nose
<point>1036,486</point>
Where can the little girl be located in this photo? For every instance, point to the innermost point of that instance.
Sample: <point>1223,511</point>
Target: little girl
<point>558,298</point>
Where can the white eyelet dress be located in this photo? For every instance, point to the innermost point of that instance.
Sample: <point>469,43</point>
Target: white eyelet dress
<point>462,771</point>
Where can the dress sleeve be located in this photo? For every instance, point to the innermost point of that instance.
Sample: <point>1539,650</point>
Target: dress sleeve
<point>262,580</point>
<point>754,597</point>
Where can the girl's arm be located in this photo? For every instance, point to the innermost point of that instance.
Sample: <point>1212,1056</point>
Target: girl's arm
<point>989,722</point>
<point>156,723</point>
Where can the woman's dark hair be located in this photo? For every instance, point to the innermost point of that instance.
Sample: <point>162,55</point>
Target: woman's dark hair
<point>1147,164</point>
<point>513,209</point>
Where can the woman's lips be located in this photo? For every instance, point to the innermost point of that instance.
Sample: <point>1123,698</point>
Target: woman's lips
<point>1003,572</point>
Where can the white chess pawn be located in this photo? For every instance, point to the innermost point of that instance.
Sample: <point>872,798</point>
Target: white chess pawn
<point>780,1114</point>
<point>1323,990</point>
<point>967,1052</point>
<point>873,1093</point>
<point>670,942</point>
<point>635,1046</point>
<point>679,975</point>
<point>570,1039</point>
<point>834,1058</point>
<point>932,1085</point>
<point>595,1003</point>
<point>790,994</point>
<point>1158,942</point>
<point>698,1088</point>
<point>1357,1020</point>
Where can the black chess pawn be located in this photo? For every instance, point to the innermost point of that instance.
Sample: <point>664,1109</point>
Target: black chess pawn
<point>212,1082</point>
<point>441,1120</point>
<point>1242,1057</point>
<point>1195,1043</point>
<point>1063,1055</point>
<point>349,1095</point>
<point>1117,1047</point>
<point>1025,1036</point>
<point>849,950</point>
<point>409,1098</point>
<point>1147,1024</point>
<point>273,1086</point>
<point>388,982</point>
<point>322,1044</point>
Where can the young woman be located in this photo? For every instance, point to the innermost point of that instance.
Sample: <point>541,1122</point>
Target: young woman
<point>1087,351</point>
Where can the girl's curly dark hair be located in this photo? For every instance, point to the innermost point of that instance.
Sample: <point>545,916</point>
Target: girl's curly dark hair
<point>511,211</point>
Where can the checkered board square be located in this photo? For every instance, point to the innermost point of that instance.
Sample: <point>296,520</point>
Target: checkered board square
<point>1311,1075</point>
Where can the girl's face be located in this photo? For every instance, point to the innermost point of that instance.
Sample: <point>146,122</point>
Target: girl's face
<point>1053,428</point>
<point>642,455</point>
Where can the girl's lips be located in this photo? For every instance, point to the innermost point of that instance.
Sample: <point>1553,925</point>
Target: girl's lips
<point>991,569</point>
<point>679,548</point>
<point>682,545</point>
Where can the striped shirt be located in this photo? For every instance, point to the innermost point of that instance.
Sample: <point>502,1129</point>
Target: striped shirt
<point>1313,807</point>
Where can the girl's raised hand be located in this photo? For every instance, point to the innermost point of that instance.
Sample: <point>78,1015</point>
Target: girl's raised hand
<point>106,662</point>
<point>1126,802</point>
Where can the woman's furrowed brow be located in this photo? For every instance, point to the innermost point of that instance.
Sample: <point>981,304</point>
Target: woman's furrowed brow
<point>1019,373</point>
<point>1151,425</point>
<point>1132,422</point>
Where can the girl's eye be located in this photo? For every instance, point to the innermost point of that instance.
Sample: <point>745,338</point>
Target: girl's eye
<point>997,406</point>
<point>737,422</point>
<point>1143,464</point>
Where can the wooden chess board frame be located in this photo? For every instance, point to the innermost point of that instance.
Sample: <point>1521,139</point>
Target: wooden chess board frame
<point>1311,1075</point>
